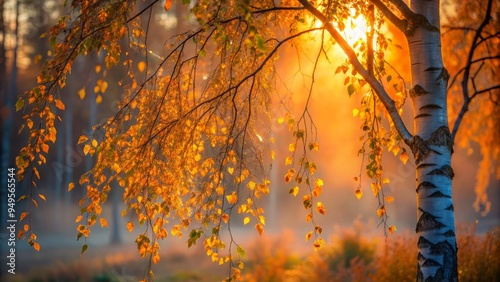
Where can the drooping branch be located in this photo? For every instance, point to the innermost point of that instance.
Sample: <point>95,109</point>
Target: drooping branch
<point>386,100</point>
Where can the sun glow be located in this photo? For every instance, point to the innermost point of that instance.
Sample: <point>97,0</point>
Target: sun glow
<point>355,28</point>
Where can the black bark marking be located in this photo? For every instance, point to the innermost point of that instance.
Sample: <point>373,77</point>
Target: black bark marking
<point>430,262</point>
<point>417,90</point>
<point>420,257</point>
<point>425,165</point>
<point>445,170</point>
<point>428,222</point>
<point>449,233</point>
<point>449,254</point>
<point>420,147</point>
<point>441,137</point>
<point>438,194</point>
<point>430,107</point>
<point>450,208</point>
<point>444,75</point>
<point>424,243</point>
<point>425,185</point>
<point>422,115</point>
<point>432,69</point>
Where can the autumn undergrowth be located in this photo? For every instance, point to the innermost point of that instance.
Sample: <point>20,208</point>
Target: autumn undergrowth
<point>350,255</point>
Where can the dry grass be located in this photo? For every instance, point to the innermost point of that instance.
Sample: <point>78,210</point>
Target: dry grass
<point>352,257</point>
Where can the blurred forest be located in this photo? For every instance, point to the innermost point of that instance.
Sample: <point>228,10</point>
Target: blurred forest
<point>90,97</point>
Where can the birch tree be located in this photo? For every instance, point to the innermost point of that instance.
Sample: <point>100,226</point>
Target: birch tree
<point>185,146</point>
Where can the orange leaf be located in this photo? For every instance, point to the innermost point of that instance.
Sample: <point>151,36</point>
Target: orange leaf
<point>103,222</point>
<point>36,246</point>
<point>389,199</point>
<point>167,5</point>
<point>259,228</point>
<point>71,185</point>
<point>45,148</point>
<point>23,215</point>
<point>130,226</point>
<point>59,104</point>
<point>392,229</point>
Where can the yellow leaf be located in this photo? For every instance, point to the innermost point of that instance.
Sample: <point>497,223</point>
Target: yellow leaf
<point>288,160</point>
<point>94,143</point>
<point>98,68</point>
<point>103,222</point>
<point>281,120</point>
<point>81,93</point>
<point>272,155</point>
<point>355,112</point>
<point>246,220</point>
<point>309,235</point>
<point>98,99</point>
<point>141,66</point>
<point>262,219</point>
<point>36,246</point>
<point>389,199</point>
<point>294,191</point>
<point>359,194</point>
<point>130,226</point>
<point>292,147</point>
<point>319,182</point>
<point>232,199</point>
<point>71,185</point>
<point>251,185</point>
<point>318,244</point>
<point>86,149</point>
<point>230,170</point>
<point>320,208</point>
<point>78,218</point>
<point>59,104</point>
<point>42,196</point>
<point>259,228</point>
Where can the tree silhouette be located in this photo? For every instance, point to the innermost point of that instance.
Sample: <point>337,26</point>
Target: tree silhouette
<point>185,147</point>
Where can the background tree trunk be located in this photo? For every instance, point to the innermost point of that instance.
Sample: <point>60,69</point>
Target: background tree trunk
<point>432,148</point>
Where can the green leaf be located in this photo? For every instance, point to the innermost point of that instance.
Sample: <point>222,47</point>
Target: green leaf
<point>240,251</point>
<point>84,248</point>
<point>203,53</point>
<point>185,2</point>
<point>19,104</point>
<point>261,43</point>
<point>350,89</point>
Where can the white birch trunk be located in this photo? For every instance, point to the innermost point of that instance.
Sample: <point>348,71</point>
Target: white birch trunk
<point>432,147</point>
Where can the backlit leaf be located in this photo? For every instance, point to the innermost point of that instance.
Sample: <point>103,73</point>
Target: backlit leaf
<point>36,246</point>
<point>246,220</point>
<point>81,93</point>
<point>71,185</point>
<point>260,228</point>
<point>59,104</point>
